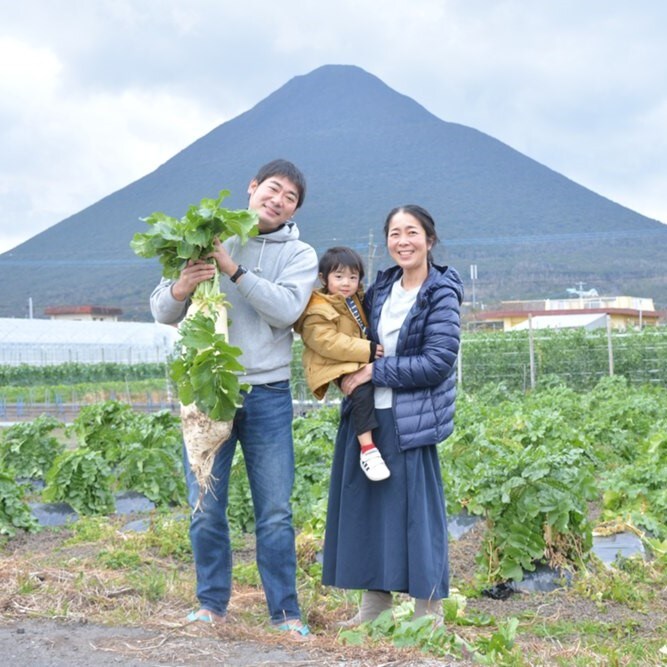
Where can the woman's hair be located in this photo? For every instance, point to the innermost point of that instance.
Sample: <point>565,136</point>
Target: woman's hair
<point>422,216</point>
<point>340,257</point>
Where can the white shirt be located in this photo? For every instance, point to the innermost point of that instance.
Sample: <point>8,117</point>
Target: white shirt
<point>394,311</point>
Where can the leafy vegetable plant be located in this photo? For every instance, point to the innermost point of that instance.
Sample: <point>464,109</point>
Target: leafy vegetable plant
<point>81,478</point>
<point>145,449</point>
<point>153,471</point>
<point>174,242</point>
<point>28,448</point>
<point>638,490</point>
<point>105,428</point>
<point>524,467</point>
<point>206,372</point>
<point>14,511</point>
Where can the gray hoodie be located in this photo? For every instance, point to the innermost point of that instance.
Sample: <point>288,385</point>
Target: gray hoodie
<point>264,304</point>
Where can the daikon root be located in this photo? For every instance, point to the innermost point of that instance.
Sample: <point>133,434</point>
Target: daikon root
<point>203,439</point>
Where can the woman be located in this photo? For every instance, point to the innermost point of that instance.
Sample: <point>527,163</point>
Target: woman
<point>392,535</point>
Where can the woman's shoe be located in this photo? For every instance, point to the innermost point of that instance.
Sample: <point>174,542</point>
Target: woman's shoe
<point>429,607</point>
<point>373,603</point>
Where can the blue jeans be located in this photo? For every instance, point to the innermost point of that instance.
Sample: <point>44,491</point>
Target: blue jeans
<point>263,426</point>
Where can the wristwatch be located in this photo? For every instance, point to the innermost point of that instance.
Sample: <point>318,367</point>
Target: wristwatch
<point>239,272</point>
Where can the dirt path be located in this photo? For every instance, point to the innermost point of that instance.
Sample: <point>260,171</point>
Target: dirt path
<point>43,643</point>
<point>46,643</point>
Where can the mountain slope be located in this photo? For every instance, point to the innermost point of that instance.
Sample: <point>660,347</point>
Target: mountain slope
<point>364,148</point>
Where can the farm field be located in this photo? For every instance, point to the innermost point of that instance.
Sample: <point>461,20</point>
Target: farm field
<point>66,594</point>
<point>544,471</point>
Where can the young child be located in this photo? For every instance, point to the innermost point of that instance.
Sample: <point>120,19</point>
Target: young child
<point>333,329</point>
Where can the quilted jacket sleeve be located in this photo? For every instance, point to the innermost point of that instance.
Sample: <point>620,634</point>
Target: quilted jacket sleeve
<point>428,345</point>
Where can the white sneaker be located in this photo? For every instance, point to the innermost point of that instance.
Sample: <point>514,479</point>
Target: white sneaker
<point>373,465</point>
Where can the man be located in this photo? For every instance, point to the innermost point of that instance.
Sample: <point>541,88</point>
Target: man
<point>268,283</point>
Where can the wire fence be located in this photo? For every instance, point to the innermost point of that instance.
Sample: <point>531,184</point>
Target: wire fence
<point>576,357</point>
<point>45,354</point>
<point>519,360</point>
<point>528,359</point>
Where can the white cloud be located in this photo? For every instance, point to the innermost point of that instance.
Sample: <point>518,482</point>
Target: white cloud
<point>94,95</point>
<point>20,63</point>
<point>65,149</point>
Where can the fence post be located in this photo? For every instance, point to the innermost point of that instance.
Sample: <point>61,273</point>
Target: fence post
<point>531,350</point>
<point>610,347</point>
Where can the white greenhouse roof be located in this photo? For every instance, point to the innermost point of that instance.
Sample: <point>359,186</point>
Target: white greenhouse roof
<point>579,320</point>
<point>41,341</point>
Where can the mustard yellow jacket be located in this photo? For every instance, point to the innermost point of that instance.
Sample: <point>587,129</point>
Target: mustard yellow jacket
<point>333,341</point>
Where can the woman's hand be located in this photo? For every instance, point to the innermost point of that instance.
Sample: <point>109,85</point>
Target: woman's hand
<point>193,274</point>
<point>350,382</point>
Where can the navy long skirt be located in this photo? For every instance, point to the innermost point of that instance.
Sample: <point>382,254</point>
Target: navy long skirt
<point>389,535</point>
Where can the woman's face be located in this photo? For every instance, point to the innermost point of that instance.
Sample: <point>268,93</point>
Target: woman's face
<point>407,242</point>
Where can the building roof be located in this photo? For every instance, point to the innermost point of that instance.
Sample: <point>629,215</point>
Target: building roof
<point>56,341</point>
<point>82,310</point>
<point>492,315</point>
<point>570,320</point>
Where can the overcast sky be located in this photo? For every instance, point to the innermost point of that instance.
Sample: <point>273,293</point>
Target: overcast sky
<point>97,93</point>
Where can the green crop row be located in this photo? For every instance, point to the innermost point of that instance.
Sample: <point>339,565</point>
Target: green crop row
<point>532,463</point>
<point>576,357</point>
<point>116,449</point>
<point>529,464</point>
<point>26,375</point>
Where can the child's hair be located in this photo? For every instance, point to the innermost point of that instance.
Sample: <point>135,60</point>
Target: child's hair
<point>340,257</point>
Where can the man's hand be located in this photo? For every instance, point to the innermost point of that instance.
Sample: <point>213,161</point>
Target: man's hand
<point>193,274</point>
<point>224,260</point>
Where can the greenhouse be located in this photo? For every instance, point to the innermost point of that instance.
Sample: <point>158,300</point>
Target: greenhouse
<point>45,342</point>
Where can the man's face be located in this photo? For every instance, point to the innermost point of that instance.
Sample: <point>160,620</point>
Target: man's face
<point>275,201</point>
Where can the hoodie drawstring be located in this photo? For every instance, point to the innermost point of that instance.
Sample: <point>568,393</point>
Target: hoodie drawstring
<point>258,268</point>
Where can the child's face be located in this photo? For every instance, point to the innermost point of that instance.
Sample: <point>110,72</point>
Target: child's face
<point>343,280</point>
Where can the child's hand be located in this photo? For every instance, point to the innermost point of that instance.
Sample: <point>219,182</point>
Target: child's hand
<point>379,351</point>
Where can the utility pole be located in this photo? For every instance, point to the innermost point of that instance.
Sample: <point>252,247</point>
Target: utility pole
<point>473,277</point>
<point>371,258</point>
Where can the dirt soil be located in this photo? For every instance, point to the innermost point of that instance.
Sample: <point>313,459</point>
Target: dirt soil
<point>48,643</point>
<point>30,637</point>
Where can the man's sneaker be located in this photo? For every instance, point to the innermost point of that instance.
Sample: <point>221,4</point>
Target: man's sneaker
<point>373,465</point>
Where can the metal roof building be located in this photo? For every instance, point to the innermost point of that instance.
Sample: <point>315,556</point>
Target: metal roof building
<point>45,342</point>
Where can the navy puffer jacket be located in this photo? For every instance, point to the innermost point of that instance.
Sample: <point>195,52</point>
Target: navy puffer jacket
<point>423,372</point>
